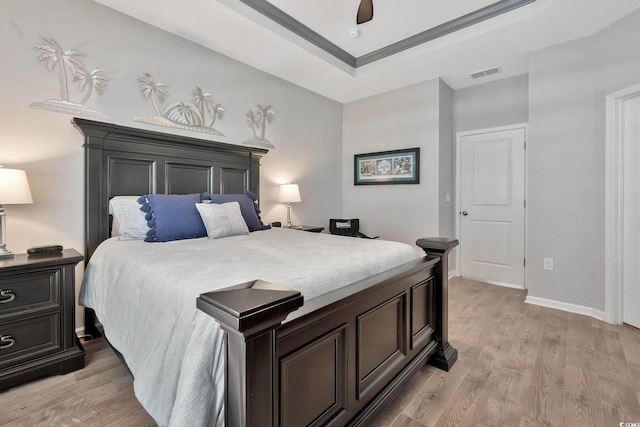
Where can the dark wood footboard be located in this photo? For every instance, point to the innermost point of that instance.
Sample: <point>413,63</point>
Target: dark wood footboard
<point>337,358</point>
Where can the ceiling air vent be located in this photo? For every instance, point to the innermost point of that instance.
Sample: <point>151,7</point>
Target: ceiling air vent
<point>487,72</point>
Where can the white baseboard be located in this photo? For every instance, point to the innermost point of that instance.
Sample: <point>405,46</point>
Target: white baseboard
<point>506,285</point>
<point>491,282</point>
<point>565,306</point>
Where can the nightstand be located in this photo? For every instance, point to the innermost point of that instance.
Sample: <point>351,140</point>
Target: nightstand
<point>309,228</point>
<point>37,317</point>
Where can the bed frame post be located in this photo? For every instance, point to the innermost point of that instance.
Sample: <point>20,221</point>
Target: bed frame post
<point>446,355</point>
<point>249,314</point>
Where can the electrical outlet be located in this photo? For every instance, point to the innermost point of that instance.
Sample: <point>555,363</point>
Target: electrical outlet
<point>447,197</point>
<point>547,263</point>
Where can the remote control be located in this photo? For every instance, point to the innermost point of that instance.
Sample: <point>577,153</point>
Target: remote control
<point>43,250</point>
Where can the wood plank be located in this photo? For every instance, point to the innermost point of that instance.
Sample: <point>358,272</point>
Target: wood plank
<point>579,411</point>
<point>99,394</point>
<point>581,382</point>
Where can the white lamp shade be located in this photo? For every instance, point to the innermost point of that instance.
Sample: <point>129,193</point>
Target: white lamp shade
<point>14,187</point>
<point>289,193</point>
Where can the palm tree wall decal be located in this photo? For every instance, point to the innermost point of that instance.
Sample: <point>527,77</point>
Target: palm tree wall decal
<point>53,54</point>
<point>180,114</point>
<point>204,102</point>
<point>151,89</point>
<point>266,115</point>
<point>96,78</point>
<point>69,65</point>
<point>258,121</point>
<point>216,111</point>
<point>254,122</point>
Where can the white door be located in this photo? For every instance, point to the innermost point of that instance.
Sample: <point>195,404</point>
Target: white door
<point>631,237</point>
<point>491,206</point>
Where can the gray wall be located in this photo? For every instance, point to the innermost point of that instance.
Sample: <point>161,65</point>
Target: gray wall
<point>563,100</point>
<point>497,103</point>
<point>403,118</point>
<point>307,130</point>
<point>447,162</point>
<point>566,154</point>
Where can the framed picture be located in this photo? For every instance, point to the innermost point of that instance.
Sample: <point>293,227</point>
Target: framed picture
<point>387,167</point>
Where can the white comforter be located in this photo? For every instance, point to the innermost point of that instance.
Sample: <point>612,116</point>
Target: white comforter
<point>145,296</point>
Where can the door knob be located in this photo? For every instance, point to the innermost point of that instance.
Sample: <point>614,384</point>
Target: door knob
<point>465,213</point>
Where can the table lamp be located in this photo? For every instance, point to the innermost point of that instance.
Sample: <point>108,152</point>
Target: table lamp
<point>289,193</point>
<point>14,190</point>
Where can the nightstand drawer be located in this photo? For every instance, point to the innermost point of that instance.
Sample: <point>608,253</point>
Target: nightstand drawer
<point>29,338</point>
<point>37,317</point>
<point>29,291</point>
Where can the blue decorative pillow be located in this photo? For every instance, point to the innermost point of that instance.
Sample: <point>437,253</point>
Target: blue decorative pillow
<point>248,206</point>
<point>172,217</point>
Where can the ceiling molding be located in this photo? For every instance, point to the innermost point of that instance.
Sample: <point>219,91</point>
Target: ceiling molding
<point>286,21</point>
<point>279,17</point>
<point>487,12</point>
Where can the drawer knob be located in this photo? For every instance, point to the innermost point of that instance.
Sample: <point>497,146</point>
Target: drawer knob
<point>7,296</point>
<point>6,341</point>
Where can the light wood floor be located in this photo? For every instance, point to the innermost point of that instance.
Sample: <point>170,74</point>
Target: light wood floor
<point>523,365</point>
<point>518,365</point>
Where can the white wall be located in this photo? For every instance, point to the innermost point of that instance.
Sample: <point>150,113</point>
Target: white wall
<point>307,130</point>
<point>566,153</point>
<point>403,118</point>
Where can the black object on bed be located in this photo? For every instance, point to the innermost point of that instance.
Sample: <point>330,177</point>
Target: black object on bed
<point>363,341</point>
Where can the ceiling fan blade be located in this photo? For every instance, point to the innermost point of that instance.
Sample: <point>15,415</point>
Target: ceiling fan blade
<point>365,11</point>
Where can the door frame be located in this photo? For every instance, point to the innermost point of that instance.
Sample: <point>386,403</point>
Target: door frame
<point>614,204</point>
<point>456,210</point>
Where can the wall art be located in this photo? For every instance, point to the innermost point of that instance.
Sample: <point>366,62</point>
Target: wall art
<point>70,67</point>
<point>199,115</point>
<point>387,167</point>
<point>258,122</point>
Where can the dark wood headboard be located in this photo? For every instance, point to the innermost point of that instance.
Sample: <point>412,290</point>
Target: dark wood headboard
<point>123,161</point>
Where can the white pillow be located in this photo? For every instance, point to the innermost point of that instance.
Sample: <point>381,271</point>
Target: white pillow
<point>222,220</point>
<point>128,220</point>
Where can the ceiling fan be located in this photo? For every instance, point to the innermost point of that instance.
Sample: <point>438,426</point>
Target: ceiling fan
<point>365,11</point>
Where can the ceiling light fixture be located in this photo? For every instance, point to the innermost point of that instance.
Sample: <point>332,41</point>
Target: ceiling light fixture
<point>354,33</point>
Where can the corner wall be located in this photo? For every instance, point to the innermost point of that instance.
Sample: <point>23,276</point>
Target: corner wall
<point>446,165</point>
<point>568,85</point>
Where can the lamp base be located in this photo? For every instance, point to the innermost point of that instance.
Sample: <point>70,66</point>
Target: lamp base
<point>4,254</point>
<point>289,225</point>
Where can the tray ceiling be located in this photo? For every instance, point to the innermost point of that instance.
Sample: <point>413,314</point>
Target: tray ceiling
<point>408,41</point>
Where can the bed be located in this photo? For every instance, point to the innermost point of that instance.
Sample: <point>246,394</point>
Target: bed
<point>257,346</point>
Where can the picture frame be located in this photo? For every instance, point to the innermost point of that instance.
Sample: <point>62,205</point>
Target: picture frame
<point>387,167</point>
